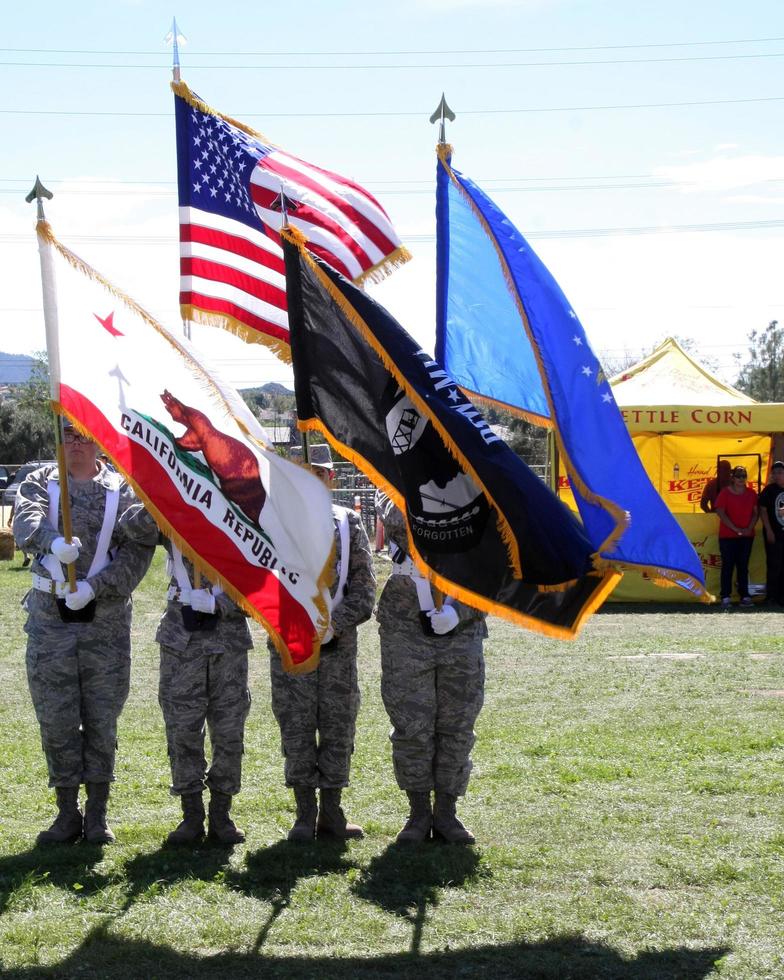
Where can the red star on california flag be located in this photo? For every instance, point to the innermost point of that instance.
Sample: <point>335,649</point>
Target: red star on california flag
<point>108,324</point>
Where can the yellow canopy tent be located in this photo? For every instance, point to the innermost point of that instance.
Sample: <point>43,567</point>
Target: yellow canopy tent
<point>682,421</point>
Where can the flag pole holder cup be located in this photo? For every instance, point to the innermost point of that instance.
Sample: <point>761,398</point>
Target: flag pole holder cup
<point>198,622</point>
<point>84,615</point>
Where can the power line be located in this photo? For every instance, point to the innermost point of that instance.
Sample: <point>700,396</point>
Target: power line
<point>90,191</point>
<point>269,54</point>
<point>419,113</point>
<point>531,236</point>
<point>414,67</point>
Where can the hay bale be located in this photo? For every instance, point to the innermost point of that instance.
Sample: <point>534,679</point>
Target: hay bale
<point>6,544</point>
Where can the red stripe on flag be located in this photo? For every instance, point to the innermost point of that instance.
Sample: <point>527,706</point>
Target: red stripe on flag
<point>218,272</point>
<point>212,304</point>
<point>232,243</point>
<point>347,182</point>
<point>263,198</point>
<point>364,224</point>
<point>154,477</point>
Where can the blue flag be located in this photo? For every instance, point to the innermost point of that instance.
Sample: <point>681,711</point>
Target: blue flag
<point>506,332</point>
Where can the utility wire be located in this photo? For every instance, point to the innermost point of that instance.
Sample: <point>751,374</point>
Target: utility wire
<point>269,54</point>
<point>418,114</point>
<point>531,236</point>
<point>415,67</point>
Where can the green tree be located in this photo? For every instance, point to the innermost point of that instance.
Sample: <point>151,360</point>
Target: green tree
<point>762,376</point>
<point>26,427</point>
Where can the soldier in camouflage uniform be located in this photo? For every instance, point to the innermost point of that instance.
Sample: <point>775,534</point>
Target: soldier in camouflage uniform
<point>79,671</point>
<point>317,712</point>
<point>433,689</point>
<point>204,640</point>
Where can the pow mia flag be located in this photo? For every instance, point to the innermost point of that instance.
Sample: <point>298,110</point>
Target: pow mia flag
<point>481,525</point>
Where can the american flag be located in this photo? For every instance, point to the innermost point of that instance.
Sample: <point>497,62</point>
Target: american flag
<point>231,262</point>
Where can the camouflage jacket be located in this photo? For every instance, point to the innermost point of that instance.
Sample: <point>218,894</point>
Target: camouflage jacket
<point>359,596</point>
<point>232,629</point>
<point>399,598</point>
<point>133,538</point>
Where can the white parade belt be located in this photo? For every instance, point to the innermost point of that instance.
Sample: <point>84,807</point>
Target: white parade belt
<point>421,584</point>
<point>49,585</point>
<point>177,594</point>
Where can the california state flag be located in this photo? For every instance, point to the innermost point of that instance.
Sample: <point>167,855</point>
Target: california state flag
<point>255,523</point>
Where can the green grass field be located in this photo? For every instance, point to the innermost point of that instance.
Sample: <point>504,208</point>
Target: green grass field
<point>628,799</point>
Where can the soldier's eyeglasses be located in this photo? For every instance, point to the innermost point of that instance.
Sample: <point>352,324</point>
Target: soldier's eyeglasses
<point>69,436</point>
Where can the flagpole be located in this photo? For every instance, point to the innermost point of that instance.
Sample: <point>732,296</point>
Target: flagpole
<point>49,290</point>
<point>442,113</point>
<point>174,37</point>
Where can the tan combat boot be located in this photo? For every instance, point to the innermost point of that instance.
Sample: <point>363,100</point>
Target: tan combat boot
<point>331,818</point>
<point>420,820</point>
<point>67,826</point>
<point>190,829</point>
<point>304,827</point>
<point>96,829</point>
<point>221,828</point>
<point>445,822</point>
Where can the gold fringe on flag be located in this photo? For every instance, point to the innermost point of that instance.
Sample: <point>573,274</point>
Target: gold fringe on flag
<point>609,577</point>
<point>377,272</point>
<point>45,233</point>
<point>297,238</point>
<point>618,514</point>
<point>234,326</point>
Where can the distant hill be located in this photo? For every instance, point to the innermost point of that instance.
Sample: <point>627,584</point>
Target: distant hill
<point>275,388</point>
<point>15,369</point>
<point>270,388</point>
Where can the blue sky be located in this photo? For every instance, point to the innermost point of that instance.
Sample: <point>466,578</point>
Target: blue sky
<point>602,193</point>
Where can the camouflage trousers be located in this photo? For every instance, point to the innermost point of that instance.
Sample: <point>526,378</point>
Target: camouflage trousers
<point>204,689</point>
<point>79,677</point>
<point>433,690</point>
<point>317,715</point>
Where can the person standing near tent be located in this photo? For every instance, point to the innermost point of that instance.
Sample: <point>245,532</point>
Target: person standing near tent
<point>771,504</point>
<point>79,643</point>
<point>432,685</point>
<point>317,712</point>
<point>204,639</point>
<point>736,507</point>
<point>714,486</point>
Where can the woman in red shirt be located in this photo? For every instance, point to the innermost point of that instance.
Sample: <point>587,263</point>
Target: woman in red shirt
<point>737,509</point>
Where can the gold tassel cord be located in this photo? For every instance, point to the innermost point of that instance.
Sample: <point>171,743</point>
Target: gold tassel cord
<point>665,578</point>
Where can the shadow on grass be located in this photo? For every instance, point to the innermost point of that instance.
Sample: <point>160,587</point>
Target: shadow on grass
<point>148,873</point>
<point>272,873</point>
<point>408,879</point>
<point>689,608</point>
<point>562,958</point>
<point>61,865</point>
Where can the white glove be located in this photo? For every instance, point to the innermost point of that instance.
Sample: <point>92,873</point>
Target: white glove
<point>443,620</point>
<point>202,600</point>
<point>65,551</point>
<point>84,594</point>
<point>329,635</point>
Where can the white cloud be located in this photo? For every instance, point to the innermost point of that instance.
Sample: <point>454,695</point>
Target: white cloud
<point>726,173</point>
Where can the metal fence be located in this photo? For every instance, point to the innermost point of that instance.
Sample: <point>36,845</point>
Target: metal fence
<point>352,489</point>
